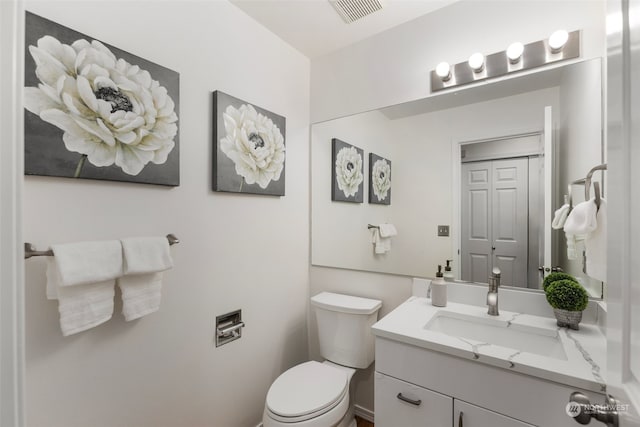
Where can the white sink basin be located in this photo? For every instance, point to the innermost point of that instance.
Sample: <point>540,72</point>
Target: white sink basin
<point>530,339</point>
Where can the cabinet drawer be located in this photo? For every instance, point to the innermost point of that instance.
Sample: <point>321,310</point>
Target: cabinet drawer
<point>467,415</point>
<point>400,404</point>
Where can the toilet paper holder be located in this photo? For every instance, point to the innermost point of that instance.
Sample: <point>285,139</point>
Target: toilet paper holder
<point>229,327</point>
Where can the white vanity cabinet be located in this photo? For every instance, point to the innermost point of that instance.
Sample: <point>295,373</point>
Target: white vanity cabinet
<point>468,415</point>
<point>447,384</point>
<point>401,404</point>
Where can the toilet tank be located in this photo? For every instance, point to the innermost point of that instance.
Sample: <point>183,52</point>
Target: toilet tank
<point>344,328</point>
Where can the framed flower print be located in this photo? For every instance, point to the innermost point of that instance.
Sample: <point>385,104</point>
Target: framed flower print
<point>95,111</point>
<point>248,148</point>
<point>347,176</point>
<point>379,180</point>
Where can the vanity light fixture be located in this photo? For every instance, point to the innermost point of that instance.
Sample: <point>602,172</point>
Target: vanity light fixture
<point>514,52</point>
<point>443,70</point>
<point>476,62</point>
<point>561,46</point>
<point>557,40</point>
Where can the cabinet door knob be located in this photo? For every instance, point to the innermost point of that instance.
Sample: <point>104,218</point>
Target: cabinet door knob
<point>460,419</point>
<point>411,401</point>
<point>582,410</point>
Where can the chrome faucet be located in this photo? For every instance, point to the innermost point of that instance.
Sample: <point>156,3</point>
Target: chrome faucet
<point>492,295</point>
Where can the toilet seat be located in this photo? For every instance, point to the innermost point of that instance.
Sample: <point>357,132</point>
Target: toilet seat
<point>307,391</point>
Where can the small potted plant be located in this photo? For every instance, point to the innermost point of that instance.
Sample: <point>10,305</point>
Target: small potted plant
<point>568,298</point>
<point>550,278</point>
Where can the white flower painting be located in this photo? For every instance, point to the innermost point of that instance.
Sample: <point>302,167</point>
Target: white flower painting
<point>379,180</point>
<point>347,172</point>
<point>250,148</point>
<point>114,115</point>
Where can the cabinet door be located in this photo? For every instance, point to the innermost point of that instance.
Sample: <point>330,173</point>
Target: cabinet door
<point>400,404</point>
<point>467,415</point>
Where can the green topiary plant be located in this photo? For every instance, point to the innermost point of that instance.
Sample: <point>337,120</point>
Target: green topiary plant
<point>567,295</point>
<point>553,277</point>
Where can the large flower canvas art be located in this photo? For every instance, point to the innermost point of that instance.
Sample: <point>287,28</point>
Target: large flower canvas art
<point>347,177</point>
<point>95,111</point>
<point>379,180</point>
<point>248,149</point>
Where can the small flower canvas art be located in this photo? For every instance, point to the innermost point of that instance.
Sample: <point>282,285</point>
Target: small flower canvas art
<point>248,149</point>
<point>379,180</point>
<point>347,172</point>
<point>95,111</point>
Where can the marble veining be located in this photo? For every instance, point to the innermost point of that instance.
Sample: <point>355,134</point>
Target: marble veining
<point>595,368</point>
<point>510,359</point>
<point>474,347</point>
<point>510,321</point>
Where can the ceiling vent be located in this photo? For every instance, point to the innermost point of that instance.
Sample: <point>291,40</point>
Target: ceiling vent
<point>352,10</point>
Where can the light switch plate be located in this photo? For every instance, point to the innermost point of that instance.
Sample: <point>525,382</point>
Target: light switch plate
<point>443,230</point>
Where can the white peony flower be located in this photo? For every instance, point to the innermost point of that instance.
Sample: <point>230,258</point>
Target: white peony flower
<point>349,170</point>
<point>254,143</point>
<point>110,111</point>
<point>381,178</point>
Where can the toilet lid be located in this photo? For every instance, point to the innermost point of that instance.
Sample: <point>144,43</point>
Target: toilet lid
<point>306,388</point>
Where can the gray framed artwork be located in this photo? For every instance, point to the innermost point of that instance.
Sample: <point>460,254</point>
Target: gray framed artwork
<point>95,111</point>
<point>379,180</point>
<point>347,172</point>
<point>248,147</point>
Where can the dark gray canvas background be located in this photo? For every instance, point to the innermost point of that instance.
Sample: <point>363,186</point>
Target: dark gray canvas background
<point>45,153</point>
<point>372,196</point>
<point>224,174</point>
<point>336,193</point>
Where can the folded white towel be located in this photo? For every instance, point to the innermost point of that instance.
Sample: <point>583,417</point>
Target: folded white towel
<point>141,294</point>
<point>582,218</point>
<point>88,262</point>
<point>381,244</point>
<point>144,258</point>
<point>560,216</point>
<point>81,276</point>
<point>596,246</point>
<point>388,230</point>
<point>146,255</point>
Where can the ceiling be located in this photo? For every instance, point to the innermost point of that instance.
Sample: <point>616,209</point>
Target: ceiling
<point>314,27</point>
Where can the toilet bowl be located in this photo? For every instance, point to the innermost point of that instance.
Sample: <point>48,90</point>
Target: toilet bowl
<point>311,394</point>
<point>314,394</point>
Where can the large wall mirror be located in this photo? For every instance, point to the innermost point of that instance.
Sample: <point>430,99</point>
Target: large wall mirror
<point>523,139</point>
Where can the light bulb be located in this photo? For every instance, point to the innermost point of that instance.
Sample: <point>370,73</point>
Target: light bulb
<point>476,62</point>
<point>443,70</point>
<point>514,52</point>
<point>557,40</point>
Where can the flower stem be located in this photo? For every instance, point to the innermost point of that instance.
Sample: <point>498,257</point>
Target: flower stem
<point>80,165</point>
<point>241,184</point>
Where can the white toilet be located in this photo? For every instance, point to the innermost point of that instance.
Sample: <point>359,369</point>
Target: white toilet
<point>315,394</point>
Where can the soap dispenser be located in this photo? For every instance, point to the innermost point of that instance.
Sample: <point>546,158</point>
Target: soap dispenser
<point>439,290</point>
<point>448,274</point>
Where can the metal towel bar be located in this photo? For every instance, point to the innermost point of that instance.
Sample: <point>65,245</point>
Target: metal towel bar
<point>30,251</point>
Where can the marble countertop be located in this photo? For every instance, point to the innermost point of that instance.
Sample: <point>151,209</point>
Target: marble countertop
<point>585,349</point>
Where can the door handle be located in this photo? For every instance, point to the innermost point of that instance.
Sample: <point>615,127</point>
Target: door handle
<point>411,401</point>
<point>460,419</point>
<point>581,409</point>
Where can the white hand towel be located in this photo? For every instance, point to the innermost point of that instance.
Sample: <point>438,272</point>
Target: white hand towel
<point>144,258</point>
<point>388,230</point>
<point>560,216</point>
<point>582,218</point>
<point>88,262</point>
<point>381,244</point>
<point>81,276</point>
<point>596,246</point>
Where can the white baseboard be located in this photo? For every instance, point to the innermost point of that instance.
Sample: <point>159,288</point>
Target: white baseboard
<point>364,413</point>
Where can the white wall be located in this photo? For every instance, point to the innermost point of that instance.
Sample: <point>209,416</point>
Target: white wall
<point>236,252</point>
<point>393,67</point>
